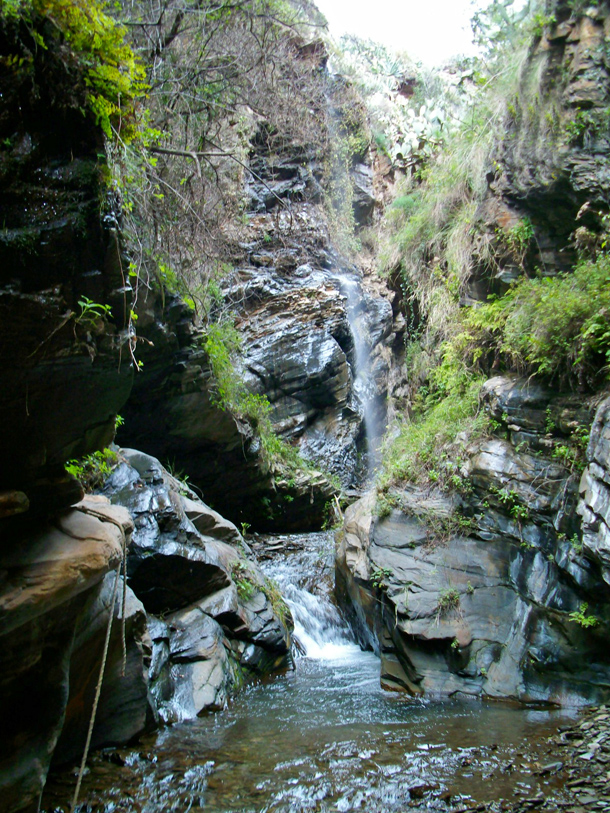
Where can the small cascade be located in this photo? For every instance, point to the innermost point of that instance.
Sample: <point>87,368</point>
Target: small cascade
<point>364,382</point>
<point>305,580</point>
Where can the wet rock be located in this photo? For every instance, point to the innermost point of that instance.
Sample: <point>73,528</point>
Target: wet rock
<point>219,624</point>
<point>49,577</point>
<point>459,614</point>
<point>594,506</point>
<point>364,193</point>
<point>170,564</point>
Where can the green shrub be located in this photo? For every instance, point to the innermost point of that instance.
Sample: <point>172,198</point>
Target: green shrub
<point>580,617</point>
<point>448,599</point>
<point>112,76</point>
<point>93,469</point>
<point>222,345</point>
<point>556,327</point>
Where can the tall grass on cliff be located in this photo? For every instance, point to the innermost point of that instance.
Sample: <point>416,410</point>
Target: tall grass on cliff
<point>555,327</point>
<point>436,242</point>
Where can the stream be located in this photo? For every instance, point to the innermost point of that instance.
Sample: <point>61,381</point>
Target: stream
<point>324,737</point>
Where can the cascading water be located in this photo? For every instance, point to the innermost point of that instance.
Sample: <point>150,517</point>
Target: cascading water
<point>324,737</point>
<point>304,581</point>
<point>364,382</point>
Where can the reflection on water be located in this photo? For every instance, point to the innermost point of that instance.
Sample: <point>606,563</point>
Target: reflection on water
<point>324,737</point>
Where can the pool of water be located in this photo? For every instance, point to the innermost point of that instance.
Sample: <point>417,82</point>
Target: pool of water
<point>324,737</point>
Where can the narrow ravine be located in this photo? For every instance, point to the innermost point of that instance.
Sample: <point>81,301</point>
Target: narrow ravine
<point>324,736</point>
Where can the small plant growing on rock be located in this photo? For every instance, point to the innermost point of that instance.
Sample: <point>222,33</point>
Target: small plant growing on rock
<point>510,500</point>
<point>448,599</point>
<point>243,581</point>
<point>580,616</point>
<point>91,311</point>
<point>280,608</point>
<point>93,469</point>
<point>576,544</point>
<point>384,506</point>
<point>379,577</point>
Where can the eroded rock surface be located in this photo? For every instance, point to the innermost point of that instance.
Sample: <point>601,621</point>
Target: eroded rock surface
<point>466,615</point>
<point>594,506</point>
<point>494,591</point>
<point>50,582</point>
<point>214,620</point>
<point>298,306</point>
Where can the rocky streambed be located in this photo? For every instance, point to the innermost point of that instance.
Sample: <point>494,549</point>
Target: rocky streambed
<point>454,757</point>
<point>325,736</point>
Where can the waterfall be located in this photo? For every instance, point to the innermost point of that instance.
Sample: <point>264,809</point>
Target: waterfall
<point>364,382</point>
<point>305,579</point>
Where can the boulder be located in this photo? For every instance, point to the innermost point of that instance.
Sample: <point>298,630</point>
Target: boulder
<point>187,563</point>
<point>50,576</point>
<point>457,614</point>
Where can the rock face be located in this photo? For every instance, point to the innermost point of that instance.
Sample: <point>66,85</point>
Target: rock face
<point>298,307</point>
<point>515,609</point>
<point>594,506</point>
<point>64,309</point>
<point>56,251</point>
<point>552,166</point>
<point>51,588</point>
<point>214,620</point>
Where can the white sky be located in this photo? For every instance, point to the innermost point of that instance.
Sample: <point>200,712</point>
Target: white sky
<point>429,31</point>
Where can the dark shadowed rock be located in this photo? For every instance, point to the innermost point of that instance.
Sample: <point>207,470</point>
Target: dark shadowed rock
<point>124,710</point>
<point>49,579</point>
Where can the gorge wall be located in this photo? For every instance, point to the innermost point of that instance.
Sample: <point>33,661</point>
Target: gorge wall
<point>496,584</point>
<point>145,560</point>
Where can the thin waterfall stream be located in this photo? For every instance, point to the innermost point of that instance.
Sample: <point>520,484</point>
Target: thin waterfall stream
<point>323,737</point>
<point>364,385</point>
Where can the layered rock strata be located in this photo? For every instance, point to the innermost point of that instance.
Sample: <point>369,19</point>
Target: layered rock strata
<point>515,605</point>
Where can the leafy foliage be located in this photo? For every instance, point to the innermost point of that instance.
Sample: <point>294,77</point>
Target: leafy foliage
<point>420,453</point>
<point>581,618</point>
<point>112,75</point>
<point>93,469</point>
<point>556,327</point>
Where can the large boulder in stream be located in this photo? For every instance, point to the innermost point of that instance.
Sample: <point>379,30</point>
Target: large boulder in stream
<point>214,620</point>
